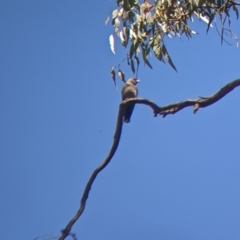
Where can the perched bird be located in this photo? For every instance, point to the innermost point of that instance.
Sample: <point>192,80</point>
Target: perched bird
<point>129,90</point>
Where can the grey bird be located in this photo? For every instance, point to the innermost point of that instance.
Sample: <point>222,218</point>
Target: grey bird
<point>129,90</point>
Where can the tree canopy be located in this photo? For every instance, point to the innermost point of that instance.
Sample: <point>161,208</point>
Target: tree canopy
<point>142,27</point>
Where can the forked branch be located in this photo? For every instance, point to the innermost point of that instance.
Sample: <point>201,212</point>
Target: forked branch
<point>200,102</point>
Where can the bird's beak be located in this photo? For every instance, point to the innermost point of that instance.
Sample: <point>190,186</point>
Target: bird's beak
<point>138,80</point>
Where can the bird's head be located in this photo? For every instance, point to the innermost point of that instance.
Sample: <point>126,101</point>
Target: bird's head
<point>133,81</point>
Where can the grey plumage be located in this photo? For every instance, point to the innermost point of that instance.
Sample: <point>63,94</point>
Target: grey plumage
<point>129,90</point>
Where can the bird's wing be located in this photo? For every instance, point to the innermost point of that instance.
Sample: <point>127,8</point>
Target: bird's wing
<point>129,91</point>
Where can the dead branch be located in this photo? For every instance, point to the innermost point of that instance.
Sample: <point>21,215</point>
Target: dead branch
<point>116,139</point>
<point>198,103</point>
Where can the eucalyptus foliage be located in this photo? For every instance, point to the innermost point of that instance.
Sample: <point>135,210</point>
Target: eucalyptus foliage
<point>142,26</point>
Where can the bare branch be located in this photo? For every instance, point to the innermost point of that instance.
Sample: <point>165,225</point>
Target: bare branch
<point>197,103</point>
<point>117,135</point>
<point>200,102</point>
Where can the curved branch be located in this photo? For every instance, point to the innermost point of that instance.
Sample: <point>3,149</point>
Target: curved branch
<point>200,102</point>
<point>197,103</point>
<point>116,139</point>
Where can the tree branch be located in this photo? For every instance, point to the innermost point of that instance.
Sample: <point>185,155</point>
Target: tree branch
<point>116,139</point>
<point>200,102</point>
<point>197,103</point>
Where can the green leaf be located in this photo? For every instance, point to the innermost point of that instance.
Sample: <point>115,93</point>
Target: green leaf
<point>210,21</point>
<point>145,55</point>
<point>126,35</point>
<point>158,53</point>
<point>128,62</point>
<point>177,27</point>
<point>167,57</point>
<point>132,66</point>
<point>155,45</point>
<point>133,48</point>
<point>235,9</point>
<point>137,60</point>
<point>133,2</point>
<point>126,5</point>
<point>153,28</point>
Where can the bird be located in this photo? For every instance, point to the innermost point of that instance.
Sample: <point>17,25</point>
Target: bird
<point>129,90</point>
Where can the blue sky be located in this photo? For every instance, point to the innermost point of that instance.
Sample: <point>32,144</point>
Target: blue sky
<point>176,178</point>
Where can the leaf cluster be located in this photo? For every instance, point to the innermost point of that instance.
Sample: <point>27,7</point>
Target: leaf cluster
<point>142,27</point>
